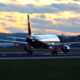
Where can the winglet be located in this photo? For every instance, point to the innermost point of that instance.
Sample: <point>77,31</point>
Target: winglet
<point>29,26</point>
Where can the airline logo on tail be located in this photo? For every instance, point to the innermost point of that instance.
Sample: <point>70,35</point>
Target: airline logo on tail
<point>29,26</point>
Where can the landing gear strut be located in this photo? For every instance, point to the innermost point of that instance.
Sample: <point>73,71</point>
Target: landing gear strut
<point>55,51</point>
<point>29,50</point>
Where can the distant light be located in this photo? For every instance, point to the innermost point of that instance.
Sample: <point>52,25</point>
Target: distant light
<point>17,45</point>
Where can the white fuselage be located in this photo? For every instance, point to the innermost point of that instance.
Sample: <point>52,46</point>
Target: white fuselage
<point>46,38</point>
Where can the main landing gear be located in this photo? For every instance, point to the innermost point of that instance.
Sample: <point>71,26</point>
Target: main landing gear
<point>29,50</point>
<point>55,51</point>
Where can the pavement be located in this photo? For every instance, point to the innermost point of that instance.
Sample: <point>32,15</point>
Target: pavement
<point>37,55</point>
<point>40,57</point>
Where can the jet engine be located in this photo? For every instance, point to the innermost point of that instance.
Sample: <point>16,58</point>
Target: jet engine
<point>65,48</point>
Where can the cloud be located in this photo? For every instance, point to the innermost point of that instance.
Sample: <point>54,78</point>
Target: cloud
<point>14,30</point>
<point>66,7</point>
<point>62,15</point>
<point>3,30</point>
<point>9,20</point>
<point>60,32</point>
<point>26,8</point>
<point>39,2</point>
<point>40,22</point>
<point>39,9</point>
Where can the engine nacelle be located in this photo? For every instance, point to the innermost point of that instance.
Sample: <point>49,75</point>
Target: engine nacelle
<point>65,48</point>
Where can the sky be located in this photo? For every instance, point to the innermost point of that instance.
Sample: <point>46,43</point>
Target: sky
<point>47,16</point>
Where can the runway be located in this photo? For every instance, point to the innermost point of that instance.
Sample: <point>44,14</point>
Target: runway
<point>37,55</point>
<point>40,57</point>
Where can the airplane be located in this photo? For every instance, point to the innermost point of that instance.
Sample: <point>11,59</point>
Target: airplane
<point>40,41</point>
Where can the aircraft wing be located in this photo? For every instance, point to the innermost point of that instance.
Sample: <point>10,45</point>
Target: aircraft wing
<point>68,43</point>
<point>15,42</point>
<point>17,38</point>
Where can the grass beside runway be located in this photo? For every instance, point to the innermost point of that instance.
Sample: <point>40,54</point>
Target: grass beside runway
<point>57,69</point>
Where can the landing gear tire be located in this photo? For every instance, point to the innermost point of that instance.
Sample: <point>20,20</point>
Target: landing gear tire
<point>29,51</point>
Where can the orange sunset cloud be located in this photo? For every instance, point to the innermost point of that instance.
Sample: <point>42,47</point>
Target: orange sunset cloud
<point>19,20</point>
<point>61,32</point>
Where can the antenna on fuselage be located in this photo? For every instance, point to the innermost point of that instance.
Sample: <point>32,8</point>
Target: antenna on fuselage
<point>29,27</point>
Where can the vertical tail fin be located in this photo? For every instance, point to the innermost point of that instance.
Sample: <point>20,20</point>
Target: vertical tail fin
<point>29,26</point>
